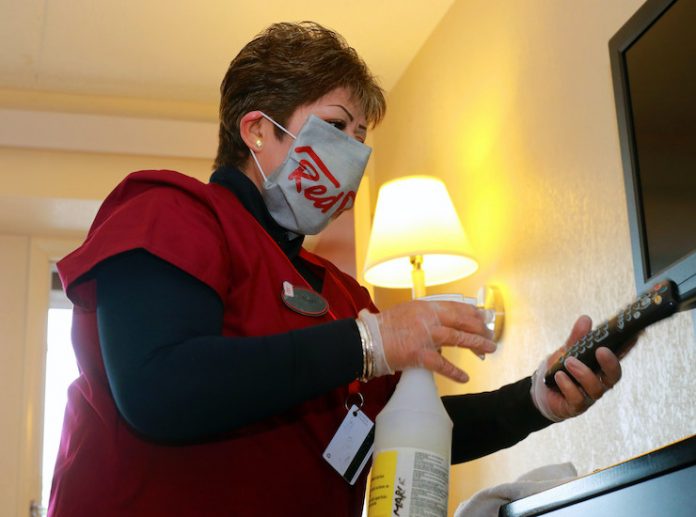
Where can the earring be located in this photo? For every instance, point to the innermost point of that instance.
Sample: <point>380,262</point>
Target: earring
<point>259,143</point>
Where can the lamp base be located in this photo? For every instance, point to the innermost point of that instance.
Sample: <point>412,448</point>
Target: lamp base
<point>491,300</point>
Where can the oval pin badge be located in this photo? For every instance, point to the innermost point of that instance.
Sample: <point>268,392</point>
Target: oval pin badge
<point>304,301</point>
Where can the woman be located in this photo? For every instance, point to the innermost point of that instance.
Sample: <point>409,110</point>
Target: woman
<point>217,356</point>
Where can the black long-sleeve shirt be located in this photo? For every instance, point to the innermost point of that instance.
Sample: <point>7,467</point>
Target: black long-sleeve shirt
<point>160,332</point>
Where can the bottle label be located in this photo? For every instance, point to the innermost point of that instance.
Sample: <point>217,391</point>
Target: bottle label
<point>408,482</point>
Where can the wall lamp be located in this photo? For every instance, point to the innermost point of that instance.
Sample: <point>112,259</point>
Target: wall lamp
<point>417,240</point>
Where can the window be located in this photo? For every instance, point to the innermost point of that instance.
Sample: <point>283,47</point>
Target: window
<point>61,371</point>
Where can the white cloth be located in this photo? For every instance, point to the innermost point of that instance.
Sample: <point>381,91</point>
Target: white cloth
<point>487,502</point>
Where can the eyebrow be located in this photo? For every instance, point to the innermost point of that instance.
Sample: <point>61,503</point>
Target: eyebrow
<point>350,116</point>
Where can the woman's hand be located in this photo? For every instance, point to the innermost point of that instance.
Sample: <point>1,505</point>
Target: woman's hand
<point>413,333</point>
<point>573,399</point>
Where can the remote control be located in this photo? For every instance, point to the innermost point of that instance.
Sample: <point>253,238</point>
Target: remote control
<point>661,301</point>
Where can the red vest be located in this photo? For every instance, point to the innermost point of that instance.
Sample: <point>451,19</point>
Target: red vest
<point>273,467</point>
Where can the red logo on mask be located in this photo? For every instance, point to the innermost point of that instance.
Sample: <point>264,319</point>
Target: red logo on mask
<point>309,170</point>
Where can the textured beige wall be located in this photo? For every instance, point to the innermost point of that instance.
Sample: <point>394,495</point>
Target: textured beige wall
<point>511,104</point>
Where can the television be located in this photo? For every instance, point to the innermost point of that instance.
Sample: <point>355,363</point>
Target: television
<point>653,65</point>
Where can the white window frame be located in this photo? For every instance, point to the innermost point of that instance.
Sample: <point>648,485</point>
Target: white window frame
<point>43,252</point>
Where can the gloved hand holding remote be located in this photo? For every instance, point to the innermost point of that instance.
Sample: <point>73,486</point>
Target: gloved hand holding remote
<point>574,398</point>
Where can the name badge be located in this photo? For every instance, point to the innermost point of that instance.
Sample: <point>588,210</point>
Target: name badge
<point>304,301</point>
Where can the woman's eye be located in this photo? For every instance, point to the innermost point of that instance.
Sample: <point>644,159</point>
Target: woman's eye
<point>338,124</point>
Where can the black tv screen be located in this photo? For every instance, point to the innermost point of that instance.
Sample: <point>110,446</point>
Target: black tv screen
<point>653,61</point>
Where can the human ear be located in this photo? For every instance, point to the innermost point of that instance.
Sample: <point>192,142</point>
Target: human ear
<point>252,130</point>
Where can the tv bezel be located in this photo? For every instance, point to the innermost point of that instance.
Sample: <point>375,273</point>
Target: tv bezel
<point>619,481</point>
<point>682,272</point>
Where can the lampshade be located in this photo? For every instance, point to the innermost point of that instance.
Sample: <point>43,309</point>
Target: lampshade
<point>415,216</point>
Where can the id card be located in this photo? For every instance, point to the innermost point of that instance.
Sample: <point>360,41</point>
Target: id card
<point>351,446</point>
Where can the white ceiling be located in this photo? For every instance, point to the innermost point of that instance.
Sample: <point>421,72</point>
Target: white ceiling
<point>179,49</point>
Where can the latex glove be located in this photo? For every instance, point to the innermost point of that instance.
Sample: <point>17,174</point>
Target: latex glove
<point>572,400</point>
<point>411,334</point>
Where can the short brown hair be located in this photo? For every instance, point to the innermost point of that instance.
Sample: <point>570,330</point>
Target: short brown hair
<point>286,66</point>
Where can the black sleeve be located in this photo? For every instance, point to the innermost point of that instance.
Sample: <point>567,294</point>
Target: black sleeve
<point>490,421</point>
<point>175,378</point>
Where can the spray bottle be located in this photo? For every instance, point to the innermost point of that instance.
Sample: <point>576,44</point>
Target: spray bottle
<point>413,436</point>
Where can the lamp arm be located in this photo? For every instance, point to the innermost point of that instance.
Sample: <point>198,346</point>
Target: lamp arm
<point>418,277</point>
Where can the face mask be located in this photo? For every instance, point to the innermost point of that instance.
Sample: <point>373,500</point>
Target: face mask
<point>318,179</point>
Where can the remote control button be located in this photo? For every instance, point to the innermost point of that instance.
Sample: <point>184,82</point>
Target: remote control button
<point>620,322</point>
<point>636,315</point>
<point>602,333</point>
<point>658,299</point>
<point>644,302</point>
